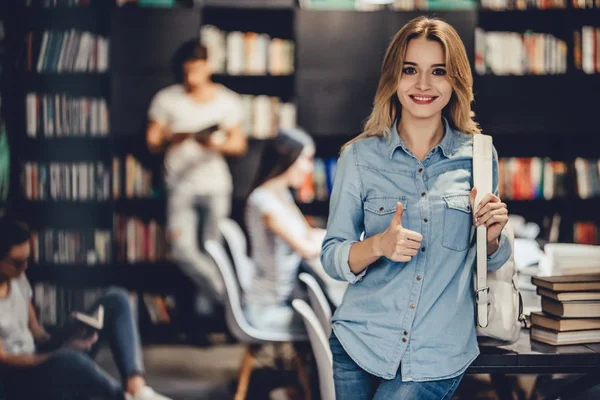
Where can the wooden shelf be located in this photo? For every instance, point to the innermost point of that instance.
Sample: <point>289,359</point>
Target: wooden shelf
<point>74,83</point>
<point>161,276</point>
<point>270,85</point>
<point>94,18</point>
<point>581,207</point>
<point>64,148</point>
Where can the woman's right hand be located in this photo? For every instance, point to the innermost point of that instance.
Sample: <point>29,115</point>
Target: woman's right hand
<point>397,243</point>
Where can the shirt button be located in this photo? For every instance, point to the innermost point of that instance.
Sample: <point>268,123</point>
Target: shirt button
<point>423,249</point>
<point>420,169</point>
<point>381,208</point>
<point>413,306</point>
<point>426,220</point>
<point>405,333</point>
<point>423,194</point>
<point>419,277</point>
<point>404,339</point>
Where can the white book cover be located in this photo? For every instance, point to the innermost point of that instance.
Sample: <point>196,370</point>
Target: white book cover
<point>587,49</point>
<point>263,127</point>
<point>83,183</point>
<point>235,53</point>
<point>43,49</point>
<point>31,102</point>
<point>75,181</point>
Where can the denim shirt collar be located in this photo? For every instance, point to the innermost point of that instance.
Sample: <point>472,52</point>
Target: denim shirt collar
<point>447,144</point>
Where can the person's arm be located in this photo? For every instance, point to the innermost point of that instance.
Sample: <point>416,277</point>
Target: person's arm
<point>345,224</point>
<point>156,136</point>
<point>37,330</point>
<point>304,246</point>
<point>234,144</point>
<point>20,360</point>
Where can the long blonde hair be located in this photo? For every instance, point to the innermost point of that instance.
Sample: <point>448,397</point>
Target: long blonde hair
<point>386,106</point>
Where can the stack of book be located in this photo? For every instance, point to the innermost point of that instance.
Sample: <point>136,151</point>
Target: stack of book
<point>570,309</point>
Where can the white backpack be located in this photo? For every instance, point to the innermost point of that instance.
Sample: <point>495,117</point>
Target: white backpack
<point>499,306</point>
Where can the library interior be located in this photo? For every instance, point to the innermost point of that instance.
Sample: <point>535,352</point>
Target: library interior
<point>312,268</point>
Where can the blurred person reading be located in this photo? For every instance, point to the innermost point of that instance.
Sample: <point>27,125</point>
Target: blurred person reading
<point>282,241</point>
<point>37,365</point>
<point>196,122</point>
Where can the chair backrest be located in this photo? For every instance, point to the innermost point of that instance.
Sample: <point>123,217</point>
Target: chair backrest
<point>318,301</point>
<point>234,315</point>
<point>236,320</point>
<point>320,347</point>
<point>236,241</point>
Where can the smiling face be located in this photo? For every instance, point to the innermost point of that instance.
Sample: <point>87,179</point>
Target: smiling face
<point>424,88</point>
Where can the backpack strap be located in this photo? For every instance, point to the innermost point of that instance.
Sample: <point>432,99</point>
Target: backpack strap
<point>482,180</point>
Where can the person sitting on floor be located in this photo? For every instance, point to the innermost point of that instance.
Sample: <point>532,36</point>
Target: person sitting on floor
<point>70,371</point>
<point>280,236</point>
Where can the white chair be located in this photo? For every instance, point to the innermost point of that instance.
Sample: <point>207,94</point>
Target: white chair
<point>318,301</point>
<point>240,327</point>
<point>320,348</point>
<point>236,240</point>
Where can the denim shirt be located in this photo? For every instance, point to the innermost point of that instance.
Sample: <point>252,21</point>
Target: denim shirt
<point>417,315</point>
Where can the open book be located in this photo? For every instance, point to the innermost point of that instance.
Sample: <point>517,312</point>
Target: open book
<point>79,326</point>
<point>93,322</point>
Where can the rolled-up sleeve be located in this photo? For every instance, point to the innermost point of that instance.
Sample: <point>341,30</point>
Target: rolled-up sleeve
<point>504,251</point>
<point>502,254</point>
<point>346,220</point>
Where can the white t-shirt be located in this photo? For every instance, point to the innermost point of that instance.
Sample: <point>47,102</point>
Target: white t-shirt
<point>14,318</point>
<point>276,262</point>
<point>189,165</point>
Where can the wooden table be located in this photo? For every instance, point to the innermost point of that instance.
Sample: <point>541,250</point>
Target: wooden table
<point>531,357</point>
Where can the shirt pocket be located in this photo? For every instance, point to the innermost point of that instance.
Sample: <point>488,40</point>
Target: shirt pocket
<point>379,211</point>
<point>457,221</point>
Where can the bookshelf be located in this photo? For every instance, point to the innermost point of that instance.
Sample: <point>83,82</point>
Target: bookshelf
<point>332,83</point>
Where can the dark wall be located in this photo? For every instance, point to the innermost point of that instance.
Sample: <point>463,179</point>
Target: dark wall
<point>143,42</point>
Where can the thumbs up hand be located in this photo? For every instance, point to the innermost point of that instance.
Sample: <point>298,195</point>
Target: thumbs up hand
<point>396,243</point>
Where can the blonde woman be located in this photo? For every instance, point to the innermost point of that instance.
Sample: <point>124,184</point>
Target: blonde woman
<point>405,329</point>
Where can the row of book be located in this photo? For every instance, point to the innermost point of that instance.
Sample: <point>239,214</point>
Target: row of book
<point>531,178</point>
<point>588,177</point>
<point>56,3</point>
<point>586,49</point>
<point>583,4</point>
<point>75,181</point>
<point>263,114</point>
<point>585,233</point>
<point>66,51</point>
<point>520,178</point>
<point>502,5</point>
<point>247,53</point>
<point>514,53</point>
<point>83,181</point>
<point>366,5</point>
<point>54,304</point>
<point>570,309</point>
<point>138,241</point>
<point>138,180</point>
<point>318,185</point>
<point>58,115</point>
<point>134,241</point>
<point>59,246</point>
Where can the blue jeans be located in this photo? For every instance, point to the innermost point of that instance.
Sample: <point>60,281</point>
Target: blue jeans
<point>354,383</point>
<point>71,374</point>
